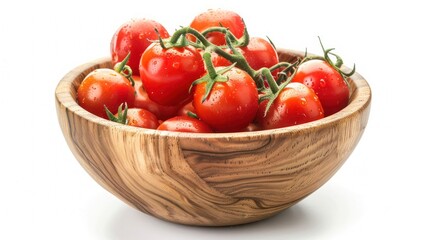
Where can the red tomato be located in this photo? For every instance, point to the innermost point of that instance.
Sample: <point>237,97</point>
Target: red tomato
<point>105,87</point>
<point>217,18</point>
<point>252,127</point>
<point>231,105</point>
<point>134,37</point>
<point>259,53</point>
<point>167,74</point>
<point>186,110</point>
<point>139,117</point>
<point>326,82</point>
<point>185,124</point>
<point>295,104</point>
<point>143,101</point>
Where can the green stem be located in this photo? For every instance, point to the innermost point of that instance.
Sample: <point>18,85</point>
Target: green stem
<point>188,30</point>
<point>236,57</point>
<point>338,63</point>
<point>217,29</point>
<point>240,61</point>
<point>209,65</point>
<point>269,77</point>
<point>160,39</point>
<point>246,38</point>
<point>289,67</point>
<point>242,42</point>
<point>281,64</point>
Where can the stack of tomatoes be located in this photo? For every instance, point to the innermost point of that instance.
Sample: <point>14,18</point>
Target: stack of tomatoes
<point>209,77</point>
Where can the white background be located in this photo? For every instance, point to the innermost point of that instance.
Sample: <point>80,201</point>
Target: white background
<point>379,193</point>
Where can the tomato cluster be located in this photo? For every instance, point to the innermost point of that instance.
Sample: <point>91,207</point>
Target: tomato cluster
<point>210,76</point>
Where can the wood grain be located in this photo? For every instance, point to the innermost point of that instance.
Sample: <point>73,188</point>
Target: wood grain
<point>210,179</point>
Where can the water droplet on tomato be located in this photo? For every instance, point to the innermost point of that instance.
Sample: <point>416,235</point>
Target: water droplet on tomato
<point>309,82</point>
<point>322,83</point>
<point>176,65</point>
<point>141,36</point>
<point>303,101</point>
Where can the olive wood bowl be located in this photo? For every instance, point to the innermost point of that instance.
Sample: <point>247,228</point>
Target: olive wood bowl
<point>215,179</point>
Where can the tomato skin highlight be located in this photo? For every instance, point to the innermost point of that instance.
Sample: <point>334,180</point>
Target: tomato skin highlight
<point>185,124</point>
<point>167,74</point>
<point>104,87</point>
<point>216,18</point>
<point>260,53</point>
<point>295,104</point>
<point>133,37</point>
<point>326,82</point>
<point>231,106</point>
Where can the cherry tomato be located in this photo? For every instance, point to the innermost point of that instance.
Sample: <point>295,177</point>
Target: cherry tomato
<point>231,105</point>
<point>186,110</point>
<point>143,101</point>
<point>105,87</point>
<point>167,74</point>
<point>139,117</point>
<point>326,82</point>
<point>295,104</point>
<point>252,127</point>
<point>134,37</point>
<point>185,124</point>
<point>217,18</point>
<point>259,53</point>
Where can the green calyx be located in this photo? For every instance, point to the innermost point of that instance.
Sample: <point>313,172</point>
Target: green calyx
<point>212,75</point>
<point>122,114</point>
<point>124,69</point>
<point>272,92</point>
<point>336,65</point>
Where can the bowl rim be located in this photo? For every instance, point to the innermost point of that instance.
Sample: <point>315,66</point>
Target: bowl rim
<point>359,100</point>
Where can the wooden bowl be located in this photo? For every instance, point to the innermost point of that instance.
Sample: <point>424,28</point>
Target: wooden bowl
<point>210,179</point>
